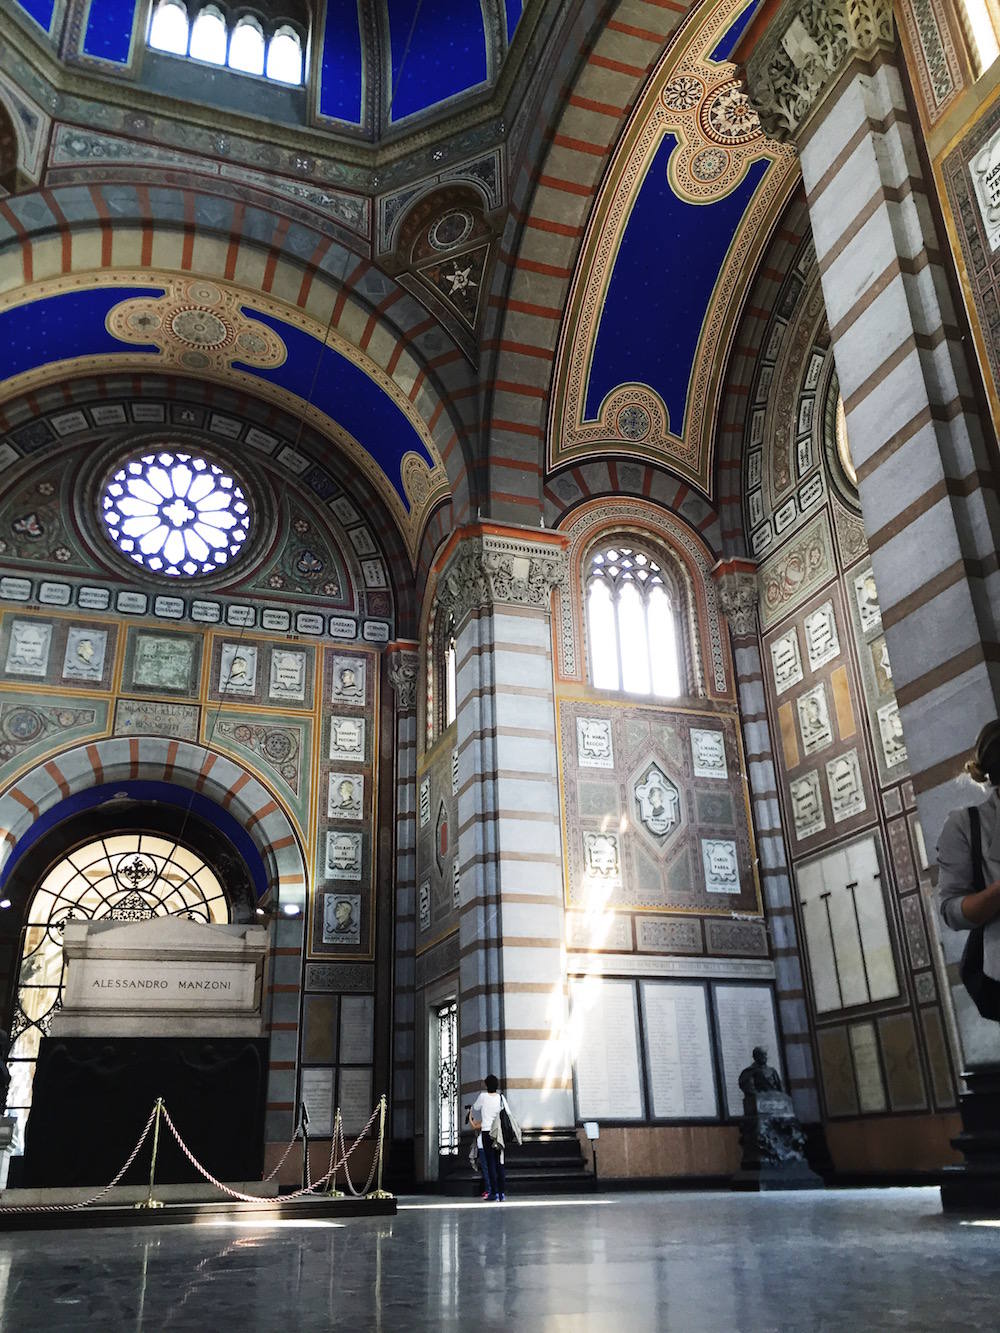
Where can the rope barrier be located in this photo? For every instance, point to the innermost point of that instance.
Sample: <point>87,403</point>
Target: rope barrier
<point>313,1188</point>
<point>86,1203</point>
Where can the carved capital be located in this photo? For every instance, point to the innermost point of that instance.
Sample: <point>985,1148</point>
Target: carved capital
<point>488,569</point>
<point>738,590</point>
<point>404,673</point>
<point>806,45</point>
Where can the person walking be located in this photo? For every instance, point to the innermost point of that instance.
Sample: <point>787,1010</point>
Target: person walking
<point>483,1114</point>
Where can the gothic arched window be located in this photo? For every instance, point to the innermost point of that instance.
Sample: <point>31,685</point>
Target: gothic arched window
<point>168,30</point>
<point>284,55</point>
<point>246,46</point>
<point>980,33</point>
<point>632,624</point>
<point>209,40</point>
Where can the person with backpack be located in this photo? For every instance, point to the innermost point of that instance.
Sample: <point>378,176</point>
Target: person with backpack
<point>491,1118</point>
<point>968,887</point>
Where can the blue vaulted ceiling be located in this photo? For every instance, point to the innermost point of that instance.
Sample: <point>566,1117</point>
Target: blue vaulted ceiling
<point>61,329</point>
<point>377,64</point>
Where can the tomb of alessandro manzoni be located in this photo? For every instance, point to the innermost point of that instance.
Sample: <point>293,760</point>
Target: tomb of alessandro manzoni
<point>498,576</point>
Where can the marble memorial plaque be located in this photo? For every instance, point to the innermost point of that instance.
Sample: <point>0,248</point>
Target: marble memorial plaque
<point>348,680</point>
<point>594,745</point>
<point>881,665</point>
<point>85,653</point>
<point>807,804</point>
<point>602,857</point>
<point>346,796</point>
<point>317,1094</point>
<point>425,802</point>
<point>162,663</point>
<point>658,802</point>
<point>744,1019</point>
<point>357,1029</point>
<point>866,597</point>
<point>355,1099</point>
<point>347,738</point>
<point>822,640</point>
<point>287,679</point>
<point>456,895</point>
<point>814,719</point>
<point>984,168</point>
<point>720,862</point>
<point>786,663</point>
<point>678,1051</point>
<point>238,669</point>
<point>847,791</point>
<point>152,717</point>
<point>343,855</point>
<point>891,731</point>
<point>341,918</point>
<point>867,1067</point>
<point>708,754</point>
<point>606,1050</point>
<point>424,905</point>
<point>454,772</point>
<point>28,649</point>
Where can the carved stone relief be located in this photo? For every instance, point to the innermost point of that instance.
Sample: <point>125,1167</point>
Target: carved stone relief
<point>814,719</point>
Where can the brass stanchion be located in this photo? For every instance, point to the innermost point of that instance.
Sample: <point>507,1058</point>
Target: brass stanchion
<point>149,1201</point>
<point>332,1191</point>
<point>379,1192</point>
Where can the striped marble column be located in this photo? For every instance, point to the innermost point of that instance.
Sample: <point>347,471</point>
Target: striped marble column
<point>738,597</point>
<point>512,992</point>
<point>403,667</point>
<point>826,74</point>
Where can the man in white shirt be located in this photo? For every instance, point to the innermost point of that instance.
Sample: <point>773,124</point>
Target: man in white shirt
<point>482,1113</point>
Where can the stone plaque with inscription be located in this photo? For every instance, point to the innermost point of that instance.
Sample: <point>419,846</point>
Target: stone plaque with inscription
<point>606,1050</point>
<point>745,1019</point>
<point>678,1051</point>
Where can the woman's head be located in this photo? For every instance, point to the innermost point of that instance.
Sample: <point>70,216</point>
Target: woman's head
<point>492,1082</point>
<point>984,766</point>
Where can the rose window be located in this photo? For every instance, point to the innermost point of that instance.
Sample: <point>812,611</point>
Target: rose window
<point>176,514</point>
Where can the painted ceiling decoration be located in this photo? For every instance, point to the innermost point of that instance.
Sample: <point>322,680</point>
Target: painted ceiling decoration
<point>148,321</point>
<point>377,64</point>
<point>695,183</point>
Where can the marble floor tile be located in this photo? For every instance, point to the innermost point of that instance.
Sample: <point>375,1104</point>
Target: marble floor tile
<point>612,1263</point>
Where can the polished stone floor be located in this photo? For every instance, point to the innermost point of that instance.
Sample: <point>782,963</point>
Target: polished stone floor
<point>857,1260</point>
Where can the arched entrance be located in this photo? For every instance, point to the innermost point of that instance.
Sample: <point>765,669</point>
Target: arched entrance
<point>127,860</point>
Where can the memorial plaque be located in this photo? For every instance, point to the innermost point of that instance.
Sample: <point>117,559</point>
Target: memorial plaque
<point>85,652</point>
<point>604,1029</point>
<point>317,1093</point>
<point>744,1019</point>
<point>345,796</point>
<point>678,1051</point>
<point>28,649</point>
<point>238,669</point>
<point>357,1021</point>
<point>867,1068</point>
<point>341,918</point>
<point>355,1100</point>
<point>153,718</point>
<point>288,675</point>
<point>347,738</point>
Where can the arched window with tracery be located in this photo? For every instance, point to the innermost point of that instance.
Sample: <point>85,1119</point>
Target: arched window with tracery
<point>634,626</point>
<point>284,55</point>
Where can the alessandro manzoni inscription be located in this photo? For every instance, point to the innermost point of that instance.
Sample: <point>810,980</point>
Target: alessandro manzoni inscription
<point>153,983</point>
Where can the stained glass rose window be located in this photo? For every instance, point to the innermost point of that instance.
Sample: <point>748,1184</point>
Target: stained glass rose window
<point>176,514</point>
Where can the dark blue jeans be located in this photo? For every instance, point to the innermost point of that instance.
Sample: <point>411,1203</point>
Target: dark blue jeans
<point>494,1177</point>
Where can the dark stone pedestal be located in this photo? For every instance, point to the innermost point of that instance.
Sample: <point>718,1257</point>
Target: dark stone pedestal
<point>975,1186</point>
<point>773,1146</point>
<point>91,1097</point>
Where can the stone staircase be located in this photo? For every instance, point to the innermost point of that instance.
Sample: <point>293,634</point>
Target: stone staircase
<point>547,1162</point>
